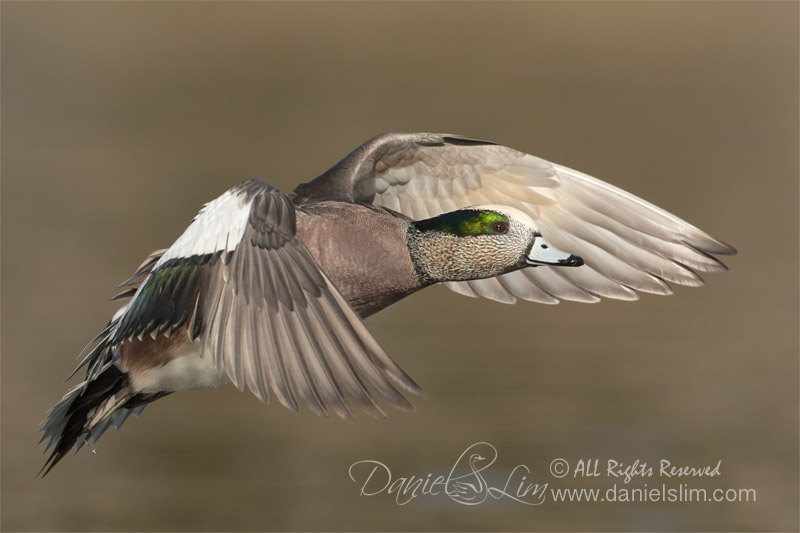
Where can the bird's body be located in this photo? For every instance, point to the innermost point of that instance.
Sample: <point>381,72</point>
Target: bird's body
<point>352,243</point>
<point>362,249</point>
<point>268,291</point>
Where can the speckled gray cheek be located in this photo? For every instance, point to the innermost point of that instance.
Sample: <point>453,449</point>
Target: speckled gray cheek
<point>439,257</point>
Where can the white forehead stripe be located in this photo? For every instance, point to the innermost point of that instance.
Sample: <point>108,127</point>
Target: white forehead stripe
<point>218,227</point>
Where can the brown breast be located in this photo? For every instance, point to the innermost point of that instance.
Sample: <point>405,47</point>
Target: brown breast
<point>363,251</point>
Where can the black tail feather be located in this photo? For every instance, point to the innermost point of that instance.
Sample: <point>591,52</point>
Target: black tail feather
<point>68,422</point>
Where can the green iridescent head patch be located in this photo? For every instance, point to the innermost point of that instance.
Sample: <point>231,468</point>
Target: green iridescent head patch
<point>464,223</point>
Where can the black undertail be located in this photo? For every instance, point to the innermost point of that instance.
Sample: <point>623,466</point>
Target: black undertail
<point>88,410</point>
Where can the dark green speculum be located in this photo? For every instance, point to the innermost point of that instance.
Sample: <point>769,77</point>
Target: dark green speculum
<point>464,223</point>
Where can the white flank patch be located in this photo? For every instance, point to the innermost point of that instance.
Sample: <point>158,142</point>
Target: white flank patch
<point>218,227</point>
<point>187,371</point>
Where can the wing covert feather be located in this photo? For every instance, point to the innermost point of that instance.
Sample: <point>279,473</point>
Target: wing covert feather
<point>263,310</point>
<point>628,244</point>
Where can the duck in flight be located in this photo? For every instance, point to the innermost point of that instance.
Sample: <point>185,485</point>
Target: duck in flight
<point>269,291</point>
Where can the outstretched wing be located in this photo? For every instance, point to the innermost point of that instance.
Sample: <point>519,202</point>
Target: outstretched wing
<point>627,244</point>
<point>243,285</point>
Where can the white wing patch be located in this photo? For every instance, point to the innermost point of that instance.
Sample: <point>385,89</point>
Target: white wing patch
<point>218,227</point>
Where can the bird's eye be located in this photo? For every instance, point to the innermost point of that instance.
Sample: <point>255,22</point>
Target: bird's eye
<point>500,227</point>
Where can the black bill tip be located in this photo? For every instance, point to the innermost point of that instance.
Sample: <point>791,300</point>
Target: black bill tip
<point>571,261</point>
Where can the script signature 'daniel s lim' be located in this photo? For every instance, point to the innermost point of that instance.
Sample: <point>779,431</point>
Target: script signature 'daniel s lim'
<point>469,482</point>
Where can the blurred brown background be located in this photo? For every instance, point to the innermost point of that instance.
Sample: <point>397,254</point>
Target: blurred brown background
<point>120,119</point>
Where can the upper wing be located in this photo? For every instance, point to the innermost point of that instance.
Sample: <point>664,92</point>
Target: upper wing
<point>247,289</point>
<point>627,244</point>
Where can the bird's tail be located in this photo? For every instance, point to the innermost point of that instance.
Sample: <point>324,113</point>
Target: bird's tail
<point>105,397</point>
<point>88,410</point>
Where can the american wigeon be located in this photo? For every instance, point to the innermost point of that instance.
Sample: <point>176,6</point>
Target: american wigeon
<point>268,291</point>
